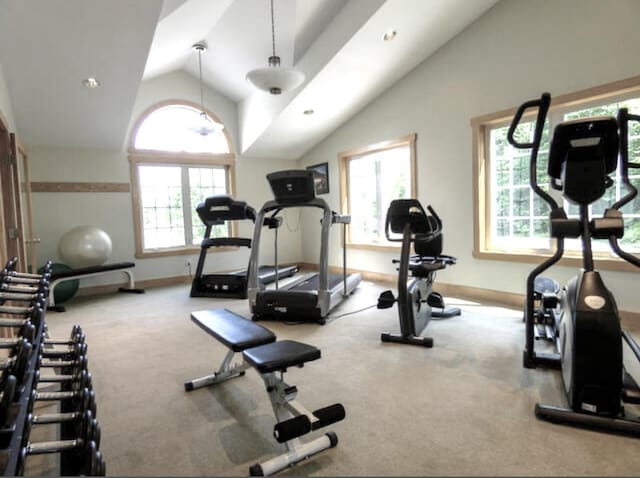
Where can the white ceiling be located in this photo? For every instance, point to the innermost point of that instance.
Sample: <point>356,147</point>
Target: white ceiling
<point>48,46</point>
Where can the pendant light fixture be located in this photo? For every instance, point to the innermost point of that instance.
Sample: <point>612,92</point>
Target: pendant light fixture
<point>275,79</point>
<point>205,125</point>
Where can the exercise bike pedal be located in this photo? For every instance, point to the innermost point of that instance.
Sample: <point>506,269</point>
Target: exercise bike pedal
<point>386,300</point>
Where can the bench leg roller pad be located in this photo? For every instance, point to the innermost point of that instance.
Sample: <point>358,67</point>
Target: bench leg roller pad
<point>294,456</point>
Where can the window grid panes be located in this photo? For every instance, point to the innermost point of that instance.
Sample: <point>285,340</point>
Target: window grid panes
<point>187,168</point>
<point>205,182</point>
<point>518,218</point>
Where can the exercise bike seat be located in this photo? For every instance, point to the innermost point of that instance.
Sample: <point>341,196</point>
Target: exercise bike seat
<point>233,330</point>
<point>277,356</point>
<point>426,268</point>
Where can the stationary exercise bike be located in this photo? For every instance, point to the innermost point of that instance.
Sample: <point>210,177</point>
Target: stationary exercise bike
<point>417,302</point>
<point>589,342</point>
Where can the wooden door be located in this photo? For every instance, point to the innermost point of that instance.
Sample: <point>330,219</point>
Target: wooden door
<point>24,198</point>
<point>13,237</point>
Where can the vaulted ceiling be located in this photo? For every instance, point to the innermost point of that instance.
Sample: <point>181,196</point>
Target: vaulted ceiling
<point>48,46</point>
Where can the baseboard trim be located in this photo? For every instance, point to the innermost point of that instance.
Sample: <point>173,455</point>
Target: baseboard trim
<point>485,296</point>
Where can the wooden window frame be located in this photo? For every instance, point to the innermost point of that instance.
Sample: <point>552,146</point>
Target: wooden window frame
<point>139,157</point>
<point>346,156</point>
<point>481,184</point>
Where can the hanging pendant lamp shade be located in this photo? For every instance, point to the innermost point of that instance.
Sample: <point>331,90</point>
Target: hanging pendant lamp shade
<point>275,79</point>
<point>205,125</point>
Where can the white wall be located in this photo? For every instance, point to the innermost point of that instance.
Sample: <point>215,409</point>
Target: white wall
<point>56,213</point>
<point>514,52</point>
<point>6,110</point>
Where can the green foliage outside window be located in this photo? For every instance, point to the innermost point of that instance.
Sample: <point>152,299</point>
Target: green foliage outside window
<point>518,214</point>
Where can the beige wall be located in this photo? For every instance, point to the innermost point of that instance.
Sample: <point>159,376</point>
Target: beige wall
<point>514,52</point>
<point>56,213</point>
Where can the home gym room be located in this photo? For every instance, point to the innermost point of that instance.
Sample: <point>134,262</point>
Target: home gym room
<point>393,100</point>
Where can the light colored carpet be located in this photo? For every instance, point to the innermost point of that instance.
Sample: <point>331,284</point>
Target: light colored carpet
<point>464,407</point>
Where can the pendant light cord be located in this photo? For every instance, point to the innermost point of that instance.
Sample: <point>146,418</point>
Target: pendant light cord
<point>201,87</point>
<point>273,32</point>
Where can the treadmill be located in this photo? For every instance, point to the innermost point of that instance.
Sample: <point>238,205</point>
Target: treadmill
<point>312,297</point>
<point>215,211</point>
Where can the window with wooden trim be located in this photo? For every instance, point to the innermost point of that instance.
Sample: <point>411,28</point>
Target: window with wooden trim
<point>371,177</point>
<point>173,169</point>
<point>512,222</point>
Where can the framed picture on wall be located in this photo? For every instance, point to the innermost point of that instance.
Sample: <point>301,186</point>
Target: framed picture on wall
<point>321,177</point>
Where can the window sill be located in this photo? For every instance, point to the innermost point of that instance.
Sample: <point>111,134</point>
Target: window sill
<point>179,252</point>
<point>602,262</point>
<point>374,247</point>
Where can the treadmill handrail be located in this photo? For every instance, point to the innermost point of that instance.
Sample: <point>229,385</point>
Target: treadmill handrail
<point>252,284</point>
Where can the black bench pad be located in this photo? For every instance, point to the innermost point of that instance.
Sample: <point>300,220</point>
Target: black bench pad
<point>93,269</point>
<point>233,330</point>
<point>280,355</point>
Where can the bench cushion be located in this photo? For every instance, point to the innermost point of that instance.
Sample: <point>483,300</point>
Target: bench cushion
<point>233,330</point>
<point>92,270</point>
<point>280,355</point>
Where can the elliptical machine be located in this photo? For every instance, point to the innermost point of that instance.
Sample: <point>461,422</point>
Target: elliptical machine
<point>416,299</point>
<point>589,344</point>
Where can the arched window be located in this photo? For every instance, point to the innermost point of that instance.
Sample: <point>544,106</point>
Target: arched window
<point>174,167</point>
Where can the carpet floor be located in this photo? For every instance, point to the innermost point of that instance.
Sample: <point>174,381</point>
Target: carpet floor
<point>464,407</point>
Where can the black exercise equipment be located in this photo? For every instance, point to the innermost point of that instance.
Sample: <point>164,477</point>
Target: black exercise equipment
<point>546,295</point>
<point>270,358</point>
<point>416,298</point>
<point>23,311</point>
<point>83,272</point>
<point>216,211</point>
<point>313,296</point>
<point>589,345</point>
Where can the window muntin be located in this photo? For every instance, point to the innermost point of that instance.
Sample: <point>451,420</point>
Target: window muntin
<point>503,224</point>
<point>169,197</point>
<point>519,219</point>
<point>372,177</point>
<point>173,170</point>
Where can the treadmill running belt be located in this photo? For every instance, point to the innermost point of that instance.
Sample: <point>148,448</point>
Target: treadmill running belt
<point>314,282</point>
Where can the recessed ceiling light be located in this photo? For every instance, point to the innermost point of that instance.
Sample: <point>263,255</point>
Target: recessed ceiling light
<point>308,112</point>
<point>90,82</point>
<point>390,35</point>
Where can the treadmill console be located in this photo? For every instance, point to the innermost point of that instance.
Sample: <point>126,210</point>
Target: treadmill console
<point>292,186</point>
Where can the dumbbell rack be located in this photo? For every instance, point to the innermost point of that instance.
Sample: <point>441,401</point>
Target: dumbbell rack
<point>23,299</point>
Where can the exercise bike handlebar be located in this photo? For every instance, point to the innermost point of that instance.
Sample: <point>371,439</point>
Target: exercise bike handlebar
<point>409,212</point>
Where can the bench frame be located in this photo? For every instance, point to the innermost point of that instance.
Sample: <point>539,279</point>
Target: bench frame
<point>287,409</point>
<point>126,269</point>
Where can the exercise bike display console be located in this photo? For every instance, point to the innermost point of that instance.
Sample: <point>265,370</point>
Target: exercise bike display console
<point>417,302</point>
<point>589,340</point>
<point>216,211</point>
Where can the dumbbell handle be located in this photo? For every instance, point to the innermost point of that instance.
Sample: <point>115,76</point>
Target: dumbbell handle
<point>48,418</point>
<point>41,448</point>
<point>23,297</point>
<point>53,396</point>
<point>10,309</point>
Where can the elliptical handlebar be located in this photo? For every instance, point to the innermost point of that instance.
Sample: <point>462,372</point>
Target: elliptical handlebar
<point>623,125</point>
<point>542,104</point>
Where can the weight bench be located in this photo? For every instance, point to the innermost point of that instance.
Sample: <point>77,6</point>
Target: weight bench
<point>81,273</point>
<point>262,351</point>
